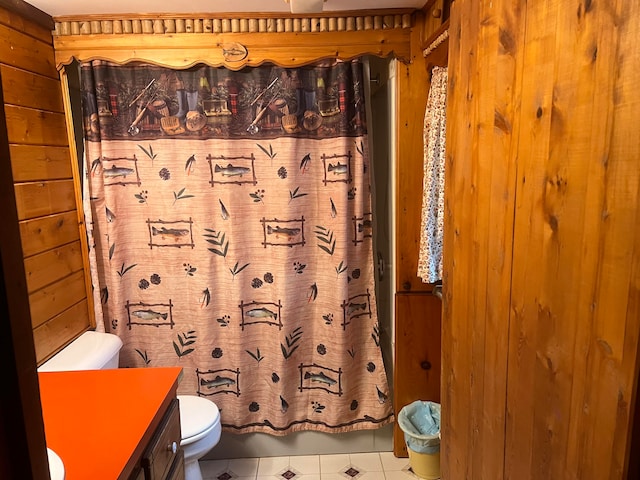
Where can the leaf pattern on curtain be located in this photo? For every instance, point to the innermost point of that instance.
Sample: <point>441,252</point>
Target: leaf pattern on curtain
<point>232,227</point>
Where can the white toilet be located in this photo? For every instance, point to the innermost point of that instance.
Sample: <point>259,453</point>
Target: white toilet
<point>199,417</point>
<point>200,431</point>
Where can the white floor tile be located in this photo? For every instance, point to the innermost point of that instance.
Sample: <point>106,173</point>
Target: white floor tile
<point>391,463</point>
<point>333,463</point>
<point>244,467</point>
<point>372,476</point>
<point>272,465</point>
<point>372,466</point>
<point>212,468</point>
<point>331,476</point>
<point>305,464</point>
<point>368,462</point>
<point>406,475</point>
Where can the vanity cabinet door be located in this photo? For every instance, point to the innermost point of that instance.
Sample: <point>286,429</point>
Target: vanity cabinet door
<point>177,470</point>
<point>164,448</point>
<point>138,475</point>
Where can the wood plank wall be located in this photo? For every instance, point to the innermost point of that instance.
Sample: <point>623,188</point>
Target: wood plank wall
<point>417,310</point>
<point>479,204</point>
<point>412,90</point>
<point>42,168</point>
<point>542,247</point>
<point>576,293</point>
<point>22,439</point>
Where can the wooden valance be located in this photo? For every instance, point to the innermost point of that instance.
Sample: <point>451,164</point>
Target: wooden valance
<point>180,42</point>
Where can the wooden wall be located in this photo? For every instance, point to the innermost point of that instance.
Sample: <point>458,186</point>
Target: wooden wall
<point>43,172</point>
<point>417,310</point>
<point>542,248</point>
<point>22,439</point>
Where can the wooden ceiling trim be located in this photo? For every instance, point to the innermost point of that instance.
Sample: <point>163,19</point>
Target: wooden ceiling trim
<point>206,23</point>
<point>230,15</point>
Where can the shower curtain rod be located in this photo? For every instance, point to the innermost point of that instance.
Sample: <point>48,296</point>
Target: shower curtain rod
<point>436,43</point>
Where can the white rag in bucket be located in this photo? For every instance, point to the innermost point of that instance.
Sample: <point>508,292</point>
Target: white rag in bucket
<point>420,422</point>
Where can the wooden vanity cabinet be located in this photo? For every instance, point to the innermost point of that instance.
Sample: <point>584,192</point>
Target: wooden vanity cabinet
<point>164,452</point>
<point>138,474</point>
<point>139,440</point>
<point>177,470</point>
<point>163,459</point>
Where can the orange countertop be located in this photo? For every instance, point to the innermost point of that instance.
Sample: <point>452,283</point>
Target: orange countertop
<point>105,445</point>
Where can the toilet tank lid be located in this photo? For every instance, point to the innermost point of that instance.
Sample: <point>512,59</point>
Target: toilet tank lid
<point>90,351</point>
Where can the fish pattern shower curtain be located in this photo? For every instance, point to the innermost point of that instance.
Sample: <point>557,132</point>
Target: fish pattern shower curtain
<point>231,225</point>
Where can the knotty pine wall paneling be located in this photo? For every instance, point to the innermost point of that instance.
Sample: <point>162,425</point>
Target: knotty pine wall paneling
<point>417,310</point>
<point>575,318</point>
<point>22,439</point>
<point>22,436</point>
<point>542,247</point>
<point>45,189</point>
<point>412,90</point>
<point>417,355</point>
<point>479,204</point>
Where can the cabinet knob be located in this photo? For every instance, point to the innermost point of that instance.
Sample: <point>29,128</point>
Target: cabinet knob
<point>426,365</point>
<point>173,447</point>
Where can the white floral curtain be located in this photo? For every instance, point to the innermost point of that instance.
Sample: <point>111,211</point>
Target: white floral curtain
<point>431,233</point>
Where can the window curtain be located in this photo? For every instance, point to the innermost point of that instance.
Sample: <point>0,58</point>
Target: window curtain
<point>432,224</point>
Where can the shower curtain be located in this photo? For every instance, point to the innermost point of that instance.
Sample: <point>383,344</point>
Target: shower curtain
<point>231,223</point>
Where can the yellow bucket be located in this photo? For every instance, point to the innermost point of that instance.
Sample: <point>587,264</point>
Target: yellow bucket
<point>425,465</point>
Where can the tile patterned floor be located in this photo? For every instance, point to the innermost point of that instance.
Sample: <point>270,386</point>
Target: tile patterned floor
<point>360,466</point>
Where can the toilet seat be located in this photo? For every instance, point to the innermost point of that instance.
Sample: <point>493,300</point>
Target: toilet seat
<point>198,416</point>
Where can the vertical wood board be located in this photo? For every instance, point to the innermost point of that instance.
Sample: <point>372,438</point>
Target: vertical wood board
<point>417,354</point>
<point>455,362</point>
<point>77,177</point>
<point>539,113</point>
<point>573,356</point>
<point>423,327</point>
<point>412,88</point>
<point>479,201</point>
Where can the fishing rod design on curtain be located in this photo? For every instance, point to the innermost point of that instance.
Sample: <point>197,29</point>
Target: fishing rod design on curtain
<point>232,232</point>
